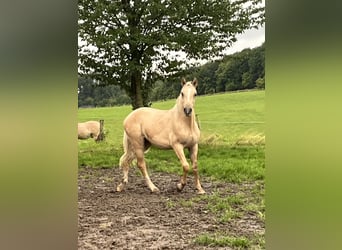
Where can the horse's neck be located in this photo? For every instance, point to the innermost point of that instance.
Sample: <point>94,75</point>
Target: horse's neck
<point>192,120</point>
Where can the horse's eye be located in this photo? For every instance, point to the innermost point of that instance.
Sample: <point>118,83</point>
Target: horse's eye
<point>195,94</point>
<point>182,94</point>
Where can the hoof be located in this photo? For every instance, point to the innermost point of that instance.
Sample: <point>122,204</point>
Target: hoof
<point>155,190</point>
<point>201,191</point>
<point>120,187</point>
<point>180,187</point>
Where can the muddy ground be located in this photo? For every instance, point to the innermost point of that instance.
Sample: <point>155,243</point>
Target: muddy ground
<point>138,219</point>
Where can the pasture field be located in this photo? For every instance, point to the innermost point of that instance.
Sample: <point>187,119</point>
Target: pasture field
<point>231,164</point>
<point>232,124</point>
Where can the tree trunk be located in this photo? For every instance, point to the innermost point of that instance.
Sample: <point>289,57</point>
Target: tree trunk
<point>136,88</point>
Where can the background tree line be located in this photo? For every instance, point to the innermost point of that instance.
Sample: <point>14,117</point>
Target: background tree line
<point>241,70</point>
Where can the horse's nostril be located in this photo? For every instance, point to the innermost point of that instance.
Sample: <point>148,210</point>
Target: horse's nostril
<point>187,111</point>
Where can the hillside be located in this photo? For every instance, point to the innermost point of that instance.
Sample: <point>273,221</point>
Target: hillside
<point>231,118</point>
<point>227,115</point>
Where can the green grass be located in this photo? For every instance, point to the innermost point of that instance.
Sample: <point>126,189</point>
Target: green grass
<point>231,149</point>
<point>222,241</point>
<point>232,145</point>
<point>227,209</point>
<point>232,115</point>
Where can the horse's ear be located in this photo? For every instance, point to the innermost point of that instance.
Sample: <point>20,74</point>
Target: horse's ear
<point>183,82</point>
<point>195,82</point>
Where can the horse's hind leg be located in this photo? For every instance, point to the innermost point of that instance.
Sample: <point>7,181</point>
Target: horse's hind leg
<point>142,166</point>
<point>125,162</point>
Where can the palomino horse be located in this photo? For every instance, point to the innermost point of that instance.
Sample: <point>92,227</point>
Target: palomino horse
<point>166,129</point>
<point>91,129</point>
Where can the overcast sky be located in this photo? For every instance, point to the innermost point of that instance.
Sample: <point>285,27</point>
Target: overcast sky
<point>250,39</point>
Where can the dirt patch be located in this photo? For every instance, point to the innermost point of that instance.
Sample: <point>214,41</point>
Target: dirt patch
<point>138,219</point>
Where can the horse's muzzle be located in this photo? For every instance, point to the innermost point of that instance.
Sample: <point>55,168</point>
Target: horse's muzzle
<point>187,111</point>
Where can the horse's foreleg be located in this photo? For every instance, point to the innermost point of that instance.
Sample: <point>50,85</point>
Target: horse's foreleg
<point>193,156</point>
<point>142,166</point>
<point>179,150</point>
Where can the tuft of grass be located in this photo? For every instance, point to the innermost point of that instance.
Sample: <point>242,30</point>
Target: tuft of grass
<point>232,163</point>
<point>216,240</point>
<point>251,139</point>
<point>170,204</point>
<point>212,139</point>
<point>221,207</point>
<point>256,204</point>
<point>237,199</point>
<point>258,241</point>
<point>186,203</point>
<point>256,207</point>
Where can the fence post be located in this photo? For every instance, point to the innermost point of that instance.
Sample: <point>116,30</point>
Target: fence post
<point>101,135</point>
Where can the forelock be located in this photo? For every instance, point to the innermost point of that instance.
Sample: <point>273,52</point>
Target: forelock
<point>188,84</point>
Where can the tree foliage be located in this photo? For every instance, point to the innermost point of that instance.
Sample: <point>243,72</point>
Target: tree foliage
<point>242,70</point>
<point>132,43</point>
<point>93,94</point>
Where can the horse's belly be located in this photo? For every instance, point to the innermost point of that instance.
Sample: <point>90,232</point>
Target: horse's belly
<point>189,141</point>
<point>160,140</point>
<point>162,146</point>
<point>83,135</point>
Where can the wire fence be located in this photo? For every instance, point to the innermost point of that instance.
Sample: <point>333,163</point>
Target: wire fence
<point>233,122</point>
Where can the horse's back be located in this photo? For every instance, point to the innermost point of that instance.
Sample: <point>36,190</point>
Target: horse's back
<point>152,124</point>
<point>144,115</point>
<point>88,129</point>
<point>92,123</point>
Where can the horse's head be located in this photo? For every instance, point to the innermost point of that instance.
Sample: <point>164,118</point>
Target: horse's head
<point>187,96</point>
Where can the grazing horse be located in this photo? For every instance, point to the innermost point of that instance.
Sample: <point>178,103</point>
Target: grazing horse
<point>166,129</point>
<point>91,129</point>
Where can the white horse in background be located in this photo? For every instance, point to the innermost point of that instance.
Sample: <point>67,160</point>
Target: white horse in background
<point>91,129</point>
